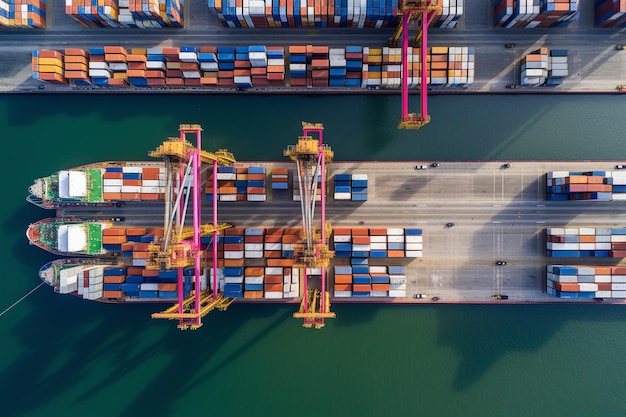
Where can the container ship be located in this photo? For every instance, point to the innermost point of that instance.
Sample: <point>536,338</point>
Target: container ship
<point>401,232</point>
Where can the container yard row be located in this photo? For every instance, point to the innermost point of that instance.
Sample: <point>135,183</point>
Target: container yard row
<point>543,67</point>
<point>588,185</point>
<point>562,242</point>
<point>570,281</point>
<point>251,66</point>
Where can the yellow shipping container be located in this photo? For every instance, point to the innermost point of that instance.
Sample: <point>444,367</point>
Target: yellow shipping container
<point>138,51</point>
<point>50,61</point>
<point>375,51</point>
<point>50,68</point>
<point>121,75</point>
<point>439,50</point>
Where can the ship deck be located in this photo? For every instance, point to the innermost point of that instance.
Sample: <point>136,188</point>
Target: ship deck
<point>498,214</point>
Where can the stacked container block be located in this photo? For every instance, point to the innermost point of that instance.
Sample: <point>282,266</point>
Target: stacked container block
<point>534,70</point>
<point>238,184</point>
<point>369,281</point>
<point>48,66</point>
<point>126,13</point>
<point>610,13</point>
<point>557,67</point>
<point>590,185</point>
<point>280,179</point>
<point>586,242</point>
<point>534,13</point>
<point>133,183</point>
<point>363,244</point>
<point>451,12</point>
<point>259,67</point>
<point>351,187</point>
<point>571,281</point>
<point>75,63</point>
<point>23,13</point>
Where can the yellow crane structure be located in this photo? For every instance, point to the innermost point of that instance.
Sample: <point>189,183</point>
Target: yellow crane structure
<point>179,247</point>
<point>311,156</point>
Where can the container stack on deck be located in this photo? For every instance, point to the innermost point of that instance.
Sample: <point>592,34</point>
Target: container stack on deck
<point>460,66</point>
<point>23,13</point>
<point>589,185</point>
<point>534,13</point>
<point>280,178</point>
<point>48,66</point>
<point>372,67</point>
<point>543,67</point>
<point>133,183</point>
<point>610,13</point>
<point>320,66</point>
<point>451,12</point>
<point>238,184</point>
<point>571,281</point>
<point>391,75</point>
<point>126,13</point>
<point>586,242</point>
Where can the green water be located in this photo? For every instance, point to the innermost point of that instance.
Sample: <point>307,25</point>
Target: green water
<point>69,357</point>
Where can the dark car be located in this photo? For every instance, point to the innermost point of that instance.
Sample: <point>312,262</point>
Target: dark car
<point>434,164</point>
<point>501,263</point>
<point>620,166</point>
<point>510,45</point>
<point>419,296</point>
<point>511,86</point>
<point>117,219</point>
<point>449,224</point>
<point>500,297</point>
<point>506,165</point>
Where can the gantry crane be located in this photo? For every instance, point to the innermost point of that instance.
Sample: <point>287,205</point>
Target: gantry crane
<point>175,250</point>
<point>311,156</point>
<point>424,11</point>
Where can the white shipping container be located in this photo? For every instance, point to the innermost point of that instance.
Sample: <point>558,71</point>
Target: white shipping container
<point>343,294</point>
<point>228,197</point>
<point>378,294</point>
<point>342,196</point>
<point>603,278</point>
<point>619,286</point>
<point>364,248</point>
<point>273,270</point>
<point>98,65</point>
<point>112,181</point>
<point>253,246</point>
<point>586,271</point>
<point>234,280</point>
<point>413,254</point>
<point>378,269</point>
<point>254,254</point>
<point>273,246</point>
<point>401,286</point>
<point>586,278</point>
<point>254,280</point>
<point>394,231</point>
<point>233,254</point>
<point>588,287</point>
<point>571,231</point>
<point>112,189</point>
<point>603,239</point>
<point>149,286</point>
<point>618,278</point>
<point>131,188</point>
<point>95,287</point>
<point>618,294</point>
<point>378,239</point>
<point>413,239</point>
<point>397,293</point>
<point>273,295</point>
<point>256,197</point>
<point>378,246</point>
<point>139,262</point>
<point>570,279</point>
<point>618,197</point>
<point>618,238</point>
<point>395,239</point>
<point>586,231</point>
<point>413,246</point>
<point>228,176</point>
<point>342,238</point>
<point>603,294</point>
<point>314,271</point>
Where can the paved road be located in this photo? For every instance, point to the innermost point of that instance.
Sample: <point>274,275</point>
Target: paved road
<point>497,214</point>
<point>595,64</point>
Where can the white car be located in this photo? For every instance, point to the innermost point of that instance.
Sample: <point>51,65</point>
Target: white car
<point>419,167</point>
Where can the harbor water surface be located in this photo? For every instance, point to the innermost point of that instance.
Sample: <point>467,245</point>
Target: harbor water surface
<point>65,356</point>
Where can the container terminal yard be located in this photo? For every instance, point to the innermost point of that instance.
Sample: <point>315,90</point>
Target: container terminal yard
<point>594,64</point>
<point>449,232</point>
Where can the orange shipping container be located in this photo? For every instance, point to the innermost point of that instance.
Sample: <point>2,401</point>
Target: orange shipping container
<point>233,262</point>
<point>256,190</point>
<point>280,262</point>
<point>343,279</point>
<point>253,294</point>
<point>235,231</point>
<point>395,254</point>
<point>136,231</point>
<point>343,231</point>
<point>128,246</point>
<point>150,273</point>
<point>567,287</point>
<point>135,270</point>
<point>587,239</point>
<point>577,179</point>
<point>114,231</point>
<point>360,232</point>
<point>111,196</point>
<point>378,231</point>
<point>280,171</point>
<point>273,238</point>
<point>362,288</point>
<point>254,272</point>
<point>603,270</point>
<point>149,196</point>
<point>380,287</point>
<point>273,279</point>
<point>167,286</point>
<point>113,176</point>
<point>112,294</point>
<point>604,286</point>
<point>114,279</point>
<point>361,240</point>
<point>253,239</point>
<point>113,239</point>
<point>141,255</point>
<point>273,287</point>
<point>275,231</point>
<point>618,270</point>
<point>343,287</point>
